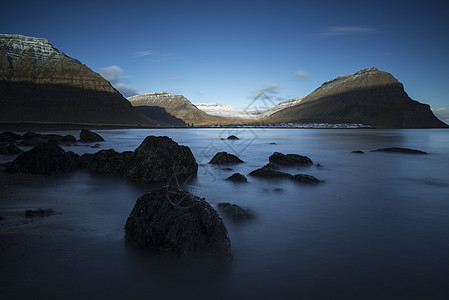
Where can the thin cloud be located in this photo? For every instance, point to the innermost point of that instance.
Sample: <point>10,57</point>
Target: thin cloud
<point>302,74</point>
<point>115,75</point>
<point>270,87</point>
<point>138,54</point>
<point>126,90</point>
<point>442,113</point>
<point>348,31</point>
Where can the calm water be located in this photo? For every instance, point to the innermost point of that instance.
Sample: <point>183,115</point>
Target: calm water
<point>377,228</point>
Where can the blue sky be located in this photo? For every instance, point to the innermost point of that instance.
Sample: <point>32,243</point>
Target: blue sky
<point>224,51</point>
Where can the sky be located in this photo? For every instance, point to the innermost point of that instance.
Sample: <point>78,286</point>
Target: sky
<point>226,51</point>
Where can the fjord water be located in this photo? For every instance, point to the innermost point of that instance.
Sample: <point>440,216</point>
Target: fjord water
<point>377,228</point>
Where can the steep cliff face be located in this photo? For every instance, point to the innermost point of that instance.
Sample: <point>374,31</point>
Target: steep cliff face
<point>369,97</point>
<point>39,83</point>
<point>180,107</point>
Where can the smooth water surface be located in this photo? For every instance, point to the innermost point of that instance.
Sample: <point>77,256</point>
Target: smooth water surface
<point>377,228</point>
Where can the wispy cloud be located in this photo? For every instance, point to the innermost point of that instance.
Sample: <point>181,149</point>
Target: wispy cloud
<point>442,113</point>
<point>270,87</point>
<point>138,54</point>
<point>115,75</point>
<point>302,74</point>
<point>348,31</point>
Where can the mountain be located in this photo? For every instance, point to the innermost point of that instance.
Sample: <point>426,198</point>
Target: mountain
<point>224,110</point>
<point>368,96</point>
<point>159,114</point>
<point>39,83</point>
<point>180,107</point>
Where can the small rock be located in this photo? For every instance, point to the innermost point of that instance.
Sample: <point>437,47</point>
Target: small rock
<point>358,151</point>
<point>224,158</point>
<point>400,150</point>
<point>38,213</point>
<point>173,219</point>
<point>290,159</point>
<point>9,148</point>
<point>96,146</point>
<point>237,177</point>
<point>318,165</point>
<point>234,211</point>
<point>89,136</point>
<point>272,143</point>
<point>232,137</point>
<point>269,172</point>
<point>304,178</point>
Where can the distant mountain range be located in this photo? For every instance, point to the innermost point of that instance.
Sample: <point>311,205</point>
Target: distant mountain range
<point>41,84</point>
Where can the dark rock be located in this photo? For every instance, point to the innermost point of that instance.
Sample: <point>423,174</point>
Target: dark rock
<point>289,159</point>
<point>44,159</point>
<point>318,165</point>
<point>89,136</point>
<point>234,211</point>
<point>9,148</point>
<point>269,172</point>
<point>33,141</point>
<point>38,213</point>
<point>358,151</point>
<point>272,166</point>
<point>227,169</point>
<point>237,177</point>
<point>12,135</point>
<point>96,146</point>
<point>173,219</point>
<point>272,143</point>
<point>30,135</point>
<point>304,178</point>
<point>224,158</point>
<point>400,150</point>
<point>232,137</point>
<point>160,159</point>
<point>107,161</point>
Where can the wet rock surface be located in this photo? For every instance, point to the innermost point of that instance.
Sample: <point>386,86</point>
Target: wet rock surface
<point>224,158</point>
<point>44,159</point>
<point>304,178</point>
<point>269,172</point>
<point>9,148</point>
<point>237,177</point>
<point>106,161</point>
<point>88,136</point>
<point>235,212</point>
<point>173,219</point>
<point>399,150</point>
<point>289,159</point>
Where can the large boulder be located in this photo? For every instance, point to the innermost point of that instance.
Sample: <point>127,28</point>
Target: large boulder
<point>89,136</point>
<point>173,219</point>
<point>224,158</point>
<point>44,159</point>
<point>289,159</point>
<point>159,159</point>
<point>106,161</point>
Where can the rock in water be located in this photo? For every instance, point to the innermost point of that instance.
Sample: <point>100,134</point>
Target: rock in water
<point>160,159</point>
<point>269,172</point>
<point>44,159</point>
<point>89,136</point>
<point>358,151</point>
<point>304,178</point>
<point>107,161</point>
<point>224,158</point>
<point>173,219</point>
<point>232,137</point>
<point>9,148</point>
<point>400,150</point>
<point>237,177</point>
<point>234,211</point>
<point>289,159</point>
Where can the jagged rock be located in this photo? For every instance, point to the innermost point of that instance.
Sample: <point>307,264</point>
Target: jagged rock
<point>107,161</point>
<point>400,150</point>
<point>9,148</point>
<point>304,178</point>
<point>44,159</point>
<point>269,172</point>
<point>271,165</point>
<point>173,219</point>
<point>29,213</point>
<point>224,158</point>
<point>234,211</point>
<point>33,141</point>
<point>232,137</point>
<point>160,159</point>
<point>289,159</point>
<point>12,135</point>
<point>358,151</point>
<point>60,139</point>
<point>237,177</point>
<point>89,136</point>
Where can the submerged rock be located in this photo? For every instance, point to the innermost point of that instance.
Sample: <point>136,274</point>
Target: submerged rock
<point>89,136</point>
<point>29,213</point>
<point>237,177</point>
<point>9,148</point>
<point>289,159</point>
<point>234,211</point>
<point>224,158</point>
<point>400,150</point>
<point>358,151</point>
<point>173,219</point>
<point>304,178</point>
<point>44,159</point>
<point>232,137</point>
